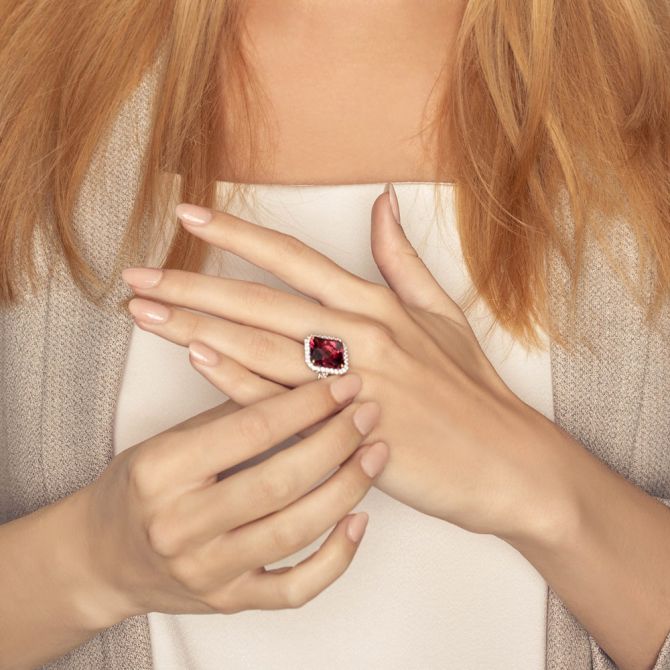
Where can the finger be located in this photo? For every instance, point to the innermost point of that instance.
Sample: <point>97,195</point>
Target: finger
<point>401,266</point>
<point>286,257</point>
<point>285,532</point>
<point>233,379</point>
<point>291,587</point>
<point>273,484</point>
<point>268,354</point>
<point>207,450</point>
<point>243,302</point>
<point>242,386</point>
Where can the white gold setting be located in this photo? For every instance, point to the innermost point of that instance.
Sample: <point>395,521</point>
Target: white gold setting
<point>323,371</point>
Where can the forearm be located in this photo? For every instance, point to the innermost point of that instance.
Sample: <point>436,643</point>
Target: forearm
<point>50,601</point>
<point>606,553</point>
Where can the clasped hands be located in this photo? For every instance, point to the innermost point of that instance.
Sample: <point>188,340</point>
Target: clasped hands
<point>463,447</point>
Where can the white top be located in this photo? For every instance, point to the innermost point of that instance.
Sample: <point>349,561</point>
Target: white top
<point>421,593</point>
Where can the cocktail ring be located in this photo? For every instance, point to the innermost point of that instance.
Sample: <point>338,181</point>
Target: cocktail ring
<point>326,355</point>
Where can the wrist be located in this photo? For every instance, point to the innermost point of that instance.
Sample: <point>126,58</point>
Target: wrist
<point>550,512</point>
<point>97,604</point>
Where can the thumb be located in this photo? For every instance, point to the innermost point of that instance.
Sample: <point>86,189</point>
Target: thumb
<point>398,261</point>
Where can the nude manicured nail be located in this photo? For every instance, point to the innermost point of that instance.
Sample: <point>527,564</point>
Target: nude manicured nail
<point>366,417</point>
<point>148,310</point>
<point>142,277</point>
<point>203,354</point>
<point>345,388</point>
<point>393,201</point>
<point>194,215</point>
<point>356,526</point>
<point>374,459</point>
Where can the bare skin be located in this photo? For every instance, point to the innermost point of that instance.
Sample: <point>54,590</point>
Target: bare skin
<point>352,88</point>
<point>157,531</point>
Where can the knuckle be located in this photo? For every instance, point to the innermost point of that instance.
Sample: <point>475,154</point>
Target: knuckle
<point>291,246</point>
<point>286,538</point>
<point>142,475</point>
<point>351,488</point>
<point>222,602</point>
<point>254,426</point>
<point>182,571</point>
<point>162,536</point>
<point>187,571</point>
<point>260,294</point>
<point>260,346</point>
<point>273,489</point>
<point>293,594</point>
<point>377,337</point>
<point>192,326</point>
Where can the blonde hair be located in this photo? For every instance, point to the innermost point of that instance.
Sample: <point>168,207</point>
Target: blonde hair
<point>545,97</point>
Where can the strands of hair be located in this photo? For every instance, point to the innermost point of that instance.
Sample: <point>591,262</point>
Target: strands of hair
<point>556,110</point>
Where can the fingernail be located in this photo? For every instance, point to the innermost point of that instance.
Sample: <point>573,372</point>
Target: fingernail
<point>203,354</point>
<point>345,388</point>
<point>366,417</point>
<point>148,310</point>
<point>374,459</point>
<point>393,200</point>
<point>194,215</point>
<point>142,277</point>
<point>356,526</point>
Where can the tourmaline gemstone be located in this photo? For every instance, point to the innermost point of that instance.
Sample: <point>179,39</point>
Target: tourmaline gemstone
<point>326,352</point>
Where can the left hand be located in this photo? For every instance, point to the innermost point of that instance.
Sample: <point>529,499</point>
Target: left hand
<point>463,447</point>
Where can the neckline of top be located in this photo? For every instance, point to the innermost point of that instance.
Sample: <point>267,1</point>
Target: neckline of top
<point>222,183</point>
<point>348,185</point>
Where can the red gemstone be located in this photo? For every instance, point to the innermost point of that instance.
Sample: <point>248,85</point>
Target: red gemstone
<point>326,352</point>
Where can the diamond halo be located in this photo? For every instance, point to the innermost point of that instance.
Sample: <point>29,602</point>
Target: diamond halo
<point>326,348</point>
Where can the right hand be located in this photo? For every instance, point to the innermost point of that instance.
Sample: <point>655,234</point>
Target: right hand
<point>165,534</point>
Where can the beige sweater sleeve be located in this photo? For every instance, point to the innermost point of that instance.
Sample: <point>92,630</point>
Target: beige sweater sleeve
<point>612,393</point>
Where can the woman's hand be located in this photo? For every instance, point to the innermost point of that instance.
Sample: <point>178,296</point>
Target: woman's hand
<point>463,447</point>
<point>168,534</point>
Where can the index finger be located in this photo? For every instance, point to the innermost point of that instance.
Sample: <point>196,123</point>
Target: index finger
<point>285,256</point>
<point>211,448</point>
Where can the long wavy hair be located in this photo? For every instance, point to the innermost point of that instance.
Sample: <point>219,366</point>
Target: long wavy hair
<point>546,98</point>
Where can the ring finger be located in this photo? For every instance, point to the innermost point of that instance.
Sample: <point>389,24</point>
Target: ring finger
<point>268,354</point>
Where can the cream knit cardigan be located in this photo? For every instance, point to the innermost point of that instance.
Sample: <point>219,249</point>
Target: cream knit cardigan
<point>61,363</point>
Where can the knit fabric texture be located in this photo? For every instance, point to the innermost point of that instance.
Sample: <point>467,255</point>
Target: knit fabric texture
<point>62,360</point>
